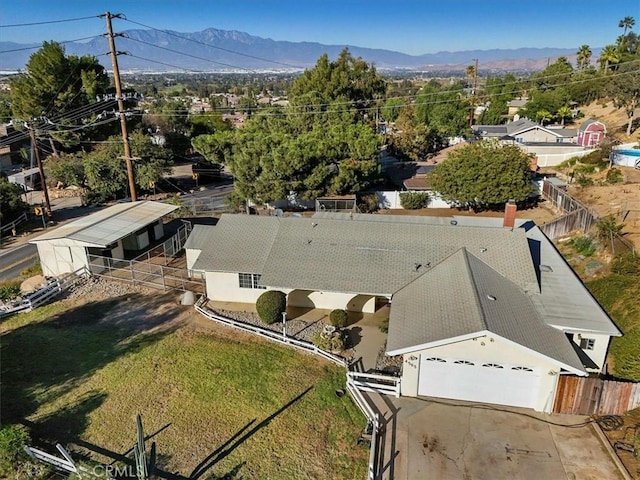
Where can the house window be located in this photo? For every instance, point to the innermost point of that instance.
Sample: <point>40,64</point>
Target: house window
<point>522,369</point>
<point>250,280</point>
<point>463,362</point>
<point>587,343</point>
<point>492,365</point>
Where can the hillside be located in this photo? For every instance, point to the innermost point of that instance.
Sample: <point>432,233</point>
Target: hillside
<point>614,119</point>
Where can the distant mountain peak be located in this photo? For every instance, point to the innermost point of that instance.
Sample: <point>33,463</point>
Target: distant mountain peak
<point>257,53</point>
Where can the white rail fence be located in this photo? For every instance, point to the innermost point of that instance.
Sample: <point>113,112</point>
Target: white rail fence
<point>373,382</point>
<point>268,334</point>
<point>44,294</point>
<point>374,425</point>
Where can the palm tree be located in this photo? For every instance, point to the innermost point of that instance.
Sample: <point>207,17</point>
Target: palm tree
<point>543,116</point>
<point>627,23</point>
<point>584,57</point>
<point>608,56</point>
<point>563,113</point>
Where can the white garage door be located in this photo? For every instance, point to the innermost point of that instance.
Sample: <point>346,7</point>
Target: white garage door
<point>478,382</point>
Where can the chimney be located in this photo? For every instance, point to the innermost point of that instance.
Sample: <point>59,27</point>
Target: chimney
<point>533,163</point>
<point>510,210</point>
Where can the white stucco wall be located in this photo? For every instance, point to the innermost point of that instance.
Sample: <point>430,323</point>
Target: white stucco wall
<point>483,350</point>
<point>192,255</point>
<point>600,347</point>
<point>330,300</point>
<point>390,199</point>
<point>224,287</point>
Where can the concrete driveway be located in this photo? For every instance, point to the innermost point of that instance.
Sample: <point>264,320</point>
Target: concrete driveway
<point>426,439</point>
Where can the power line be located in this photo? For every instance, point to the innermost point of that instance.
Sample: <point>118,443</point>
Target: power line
<point>188,54</point>
<point>40,46</point>
<point>47,22</point>
<point>169,32</point>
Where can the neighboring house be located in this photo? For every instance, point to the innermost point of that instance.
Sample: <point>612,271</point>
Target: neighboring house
<point>525,131</point>
<point>515,105</point>
<point>591,133</point>
<point>479,311</point>
<point>120,231</point>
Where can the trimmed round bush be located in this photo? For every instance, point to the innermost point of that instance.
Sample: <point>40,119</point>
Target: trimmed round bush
<point>338,318</point>
<point>270,306</point>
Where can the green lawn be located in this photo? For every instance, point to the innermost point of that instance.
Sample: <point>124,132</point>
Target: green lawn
<point>219,404</point>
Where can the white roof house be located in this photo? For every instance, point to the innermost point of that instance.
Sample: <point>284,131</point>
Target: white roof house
<point>121,228</point>
<point>479,312</point>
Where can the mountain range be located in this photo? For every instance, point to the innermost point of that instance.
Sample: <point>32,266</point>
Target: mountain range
<point>223,50</point>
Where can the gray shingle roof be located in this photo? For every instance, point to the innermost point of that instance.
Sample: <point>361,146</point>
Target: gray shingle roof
<point>111,224</point>
<point>564,301</point>
<point>238,243</point>
<point>380,257</point>
<point>463,295</point>
<point>199,237</point>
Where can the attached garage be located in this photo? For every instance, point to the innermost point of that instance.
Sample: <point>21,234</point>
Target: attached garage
<point>484,382</point>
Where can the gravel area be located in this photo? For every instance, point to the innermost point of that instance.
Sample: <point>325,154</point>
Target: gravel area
<point>94,289</point>
<point>295,328</point>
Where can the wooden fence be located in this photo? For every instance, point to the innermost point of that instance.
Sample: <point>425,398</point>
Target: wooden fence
<point>575,216</point>
<point>591,395</point>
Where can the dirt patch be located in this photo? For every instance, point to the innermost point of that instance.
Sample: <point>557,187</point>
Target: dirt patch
<point>543,213</point>
<point>621,200</point>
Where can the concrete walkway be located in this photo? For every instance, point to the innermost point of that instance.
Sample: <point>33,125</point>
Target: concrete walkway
<point>432,438</point>
<point>367,338</point>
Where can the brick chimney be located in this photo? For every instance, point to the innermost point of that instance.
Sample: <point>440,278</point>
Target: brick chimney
<point>510,210</point>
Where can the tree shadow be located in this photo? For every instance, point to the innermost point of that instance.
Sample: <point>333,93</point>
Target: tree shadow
<point>355,336</point>
<point>238,439</point>
<point>44,360</point>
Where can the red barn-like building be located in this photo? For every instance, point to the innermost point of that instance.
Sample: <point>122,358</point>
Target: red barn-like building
<point>591,133</point>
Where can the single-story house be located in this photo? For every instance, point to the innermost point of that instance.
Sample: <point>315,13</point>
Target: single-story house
<point>525,131</point>
<point>591,133</point>
<point>120,231</point>
<point>482,310</point>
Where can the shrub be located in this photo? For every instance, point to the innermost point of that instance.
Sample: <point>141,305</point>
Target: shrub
<point>270,306</point>
<point>35,269</point>
<point>626,264</point>
<point>583,180</point>
<point>414,200</point>
<point>9,290</point>
<point>13,438</point>
<point>614,175</point>
<point>330,343</point>
<point>384,326</point>
<point>338,318</point>
<point>583,245</point>
<point>369,203</point>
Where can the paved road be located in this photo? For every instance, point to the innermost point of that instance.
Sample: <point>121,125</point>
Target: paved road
<point>13,261</point>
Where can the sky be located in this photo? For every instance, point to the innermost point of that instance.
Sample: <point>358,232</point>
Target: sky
<point>409,26</point>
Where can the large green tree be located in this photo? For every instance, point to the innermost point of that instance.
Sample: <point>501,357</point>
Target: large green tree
<point>54,84</point>
<point>624,90</point>
<point>483,174</point>
<point>324,142</point>
<point>11,203</point>
<point>105,169</point>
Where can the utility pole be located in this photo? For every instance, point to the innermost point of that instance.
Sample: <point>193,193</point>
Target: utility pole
<point>475,86</point>
<point>45,191</point>
<point>123,120</point>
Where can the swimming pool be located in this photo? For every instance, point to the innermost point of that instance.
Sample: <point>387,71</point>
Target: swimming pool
<point>630,152</point>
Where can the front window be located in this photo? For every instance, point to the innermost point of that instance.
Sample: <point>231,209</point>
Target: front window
<point>587,343</point>
<point>250,280</point>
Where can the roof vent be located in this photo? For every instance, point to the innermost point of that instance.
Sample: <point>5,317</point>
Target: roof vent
<point>491,297</point>
<point>416,266</point>
<point>483,249</point>
<point>546,268</point>
<point>453,222</point>
<point>314,224</point>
